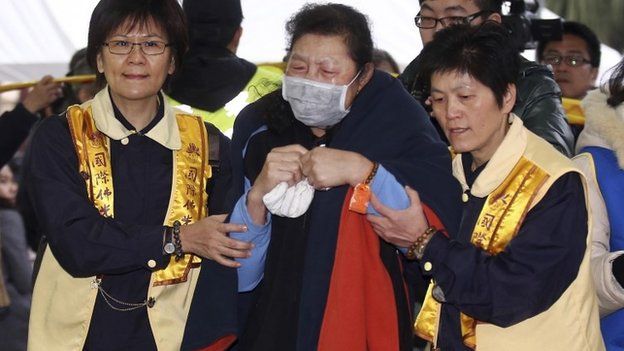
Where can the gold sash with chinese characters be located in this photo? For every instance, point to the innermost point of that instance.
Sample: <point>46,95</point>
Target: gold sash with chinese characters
<point>498,223</point>
<point>190,172</point>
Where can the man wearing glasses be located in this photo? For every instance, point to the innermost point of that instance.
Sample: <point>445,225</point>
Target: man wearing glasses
<point>574,61</point>
<point>538,101</point>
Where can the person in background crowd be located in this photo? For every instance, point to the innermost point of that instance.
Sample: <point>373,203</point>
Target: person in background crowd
<point>304,159</point>
<point>16,124</point>
<point>72,94</point>
<point>80,92</point>
<point>16,266</point>
<point>123,191</point>
<point>602,141</point>
<point>385,62</point>
<point>516,276</point>
<point>538,101</point>
<point>14,128</point>
<point>574,60</point>
<point>213,82</point>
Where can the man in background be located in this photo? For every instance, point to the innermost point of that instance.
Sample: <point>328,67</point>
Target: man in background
<point>538,102</point>
<point>213,82</point>
<point>574,60</point>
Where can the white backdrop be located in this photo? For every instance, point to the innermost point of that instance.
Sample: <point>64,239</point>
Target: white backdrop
<point>38,37</point>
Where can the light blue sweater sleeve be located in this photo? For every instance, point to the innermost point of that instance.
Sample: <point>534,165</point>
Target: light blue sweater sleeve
<point>389,191</point>
<point>251,271</point>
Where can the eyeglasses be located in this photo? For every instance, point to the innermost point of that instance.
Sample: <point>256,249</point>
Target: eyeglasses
<point>572,60</point>
<point>425,22</point>
<point>124,47</point>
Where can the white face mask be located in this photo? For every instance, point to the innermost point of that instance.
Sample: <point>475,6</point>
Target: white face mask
<point>316,104</point>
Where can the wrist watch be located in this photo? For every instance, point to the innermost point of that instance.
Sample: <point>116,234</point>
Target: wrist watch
<point>169,247</point>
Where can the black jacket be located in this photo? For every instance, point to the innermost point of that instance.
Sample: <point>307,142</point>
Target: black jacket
<point>538,102</point>
<point>14,128</point>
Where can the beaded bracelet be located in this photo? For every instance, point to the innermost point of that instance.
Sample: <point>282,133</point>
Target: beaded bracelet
<point>176,240</point>
<point>417,249</point>
<point>372,173</point>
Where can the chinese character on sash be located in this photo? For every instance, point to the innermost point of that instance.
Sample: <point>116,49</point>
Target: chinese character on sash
<point>487,221</point>
<point>192,150</point>
<point>99,160</point>
<point>101,176</point>
<point>190,190</point>
<point>186,220</point>
<point>192,174</point>
<point>189,205</point>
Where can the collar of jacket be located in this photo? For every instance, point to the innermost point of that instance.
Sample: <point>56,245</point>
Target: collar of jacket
<point>165,132</point>
<point>499,166</point>
<point>604,125</point>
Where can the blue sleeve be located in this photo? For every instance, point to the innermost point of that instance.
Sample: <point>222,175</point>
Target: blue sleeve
<point>251,271</point>
<point>390,192</point>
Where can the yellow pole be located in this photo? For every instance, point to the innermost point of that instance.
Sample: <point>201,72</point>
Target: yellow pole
<point>85,78</point>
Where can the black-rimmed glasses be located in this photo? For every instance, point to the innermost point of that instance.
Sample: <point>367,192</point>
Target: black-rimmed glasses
<point>124,47</point>
<point>570,60</point>
<point>425,22</point>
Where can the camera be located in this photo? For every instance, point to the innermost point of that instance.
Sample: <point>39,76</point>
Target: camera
<point>519,16</point>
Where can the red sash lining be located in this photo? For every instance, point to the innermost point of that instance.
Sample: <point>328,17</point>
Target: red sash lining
<point>222,344</point>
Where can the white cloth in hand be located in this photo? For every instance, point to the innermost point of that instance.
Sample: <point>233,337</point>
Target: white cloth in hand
<point>289,202</point>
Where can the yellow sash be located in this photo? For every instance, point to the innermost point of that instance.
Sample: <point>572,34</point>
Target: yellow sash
<point>190,169</point>
<point>499,221</point>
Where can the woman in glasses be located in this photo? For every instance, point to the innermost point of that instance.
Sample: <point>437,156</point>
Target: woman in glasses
<point>122,187</point>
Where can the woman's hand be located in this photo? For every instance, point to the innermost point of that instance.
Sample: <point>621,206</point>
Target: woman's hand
<point>209,238</point>
<point>399,227</point>
<point>282,164</point>
<point>326,167</point>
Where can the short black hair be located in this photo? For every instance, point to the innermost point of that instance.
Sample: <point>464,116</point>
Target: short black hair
<point>481,52</point>
<point>334,19</point>
<point>108,15</point>
<point>495,6</point>
<point>579,30</point>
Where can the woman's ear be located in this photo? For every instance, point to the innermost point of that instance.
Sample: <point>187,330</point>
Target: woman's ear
<point>509,98</point>
<point>171,65</point>
<point>99,62</point>
<point>496,17</point>
<point>365,76</point>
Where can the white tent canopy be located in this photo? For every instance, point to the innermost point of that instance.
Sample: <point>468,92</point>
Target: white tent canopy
<point>38,37</point>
